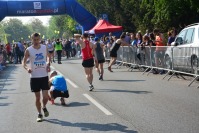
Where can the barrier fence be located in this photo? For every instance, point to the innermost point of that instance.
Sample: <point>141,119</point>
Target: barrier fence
<point>177,61</point>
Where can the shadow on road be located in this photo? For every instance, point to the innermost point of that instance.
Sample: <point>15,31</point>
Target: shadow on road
<point>127,91</point>
<point>5,76</point>
<point>73,104</point>
<point>77,104</point>
<point>4,97</point>
<point>5,104</point>
<point>93,126</point>
<point>126,80</point>
<point>8,89</point>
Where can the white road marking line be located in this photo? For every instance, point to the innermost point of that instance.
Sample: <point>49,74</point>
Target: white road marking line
<point>103,109</point>
<point>71,83</point>
<point>68,80</point>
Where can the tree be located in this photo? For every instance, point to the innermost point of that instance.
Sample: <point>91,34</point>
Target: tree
<point>36,25</point>
<point>64,24</point>
<point>16,30</point>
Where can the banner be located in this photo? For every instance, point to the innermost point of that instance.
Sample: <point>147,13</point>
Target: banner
<point>36,8</point>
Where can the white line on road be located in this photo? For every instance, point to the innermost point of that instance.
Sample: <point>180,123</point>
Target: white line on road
<point>71,83</point>
<point>68,80</point>
<point>103,109</point>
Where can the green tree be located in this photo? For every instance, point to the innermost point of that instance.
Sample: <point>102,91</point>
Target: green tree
<point>36,25</point>
<point>16,30</point>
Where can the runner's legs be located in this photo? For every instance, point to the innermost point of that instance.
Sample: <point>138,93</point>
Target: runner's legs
<point>38,103</point>
<point>89,74</point>
<point>45,97</point>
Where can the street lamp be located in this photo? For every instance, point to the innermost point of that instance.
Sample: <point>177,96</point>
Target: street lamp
<point>57,32</point>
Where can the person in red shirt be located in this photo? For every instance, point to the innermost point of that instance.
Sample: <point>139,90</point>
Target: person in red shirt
<point>87,56</point>
<point>8,52</point>
<point>160,50</point>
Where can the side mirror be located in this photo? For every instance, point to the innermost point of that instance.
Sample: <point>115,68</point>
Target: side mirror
<point>174,44</point>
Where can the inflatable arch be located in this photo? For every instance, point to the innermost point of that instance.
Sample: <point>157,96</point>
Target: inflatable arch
<point>13,8</point>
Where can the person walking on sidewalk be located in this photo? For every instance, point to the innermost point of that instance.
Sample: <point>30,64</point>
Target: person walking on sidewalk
<point>99,57</point>
<point>38,69</point>
<point>87,56</point>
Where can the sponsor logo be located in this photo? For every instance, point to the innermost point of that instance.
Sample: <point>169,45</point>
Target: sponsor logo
<point>39,57</point>
<point>37,5</point>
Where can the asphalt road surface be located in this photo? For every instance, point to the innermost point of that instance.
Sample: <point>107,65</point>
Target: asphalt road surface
<point>127,102</point>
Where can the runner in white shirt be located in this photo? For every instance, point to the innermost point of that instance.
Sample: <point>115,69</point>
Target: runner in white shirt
<point>38,69</point>
<point>51,49</point>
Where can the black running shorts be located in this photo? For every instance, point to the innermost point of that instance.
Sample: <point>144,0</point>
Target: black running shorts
<point>50,52</point>
<point>113,54</point>
<point>101,61</point>
<point>38,84</point>
<point>88,63</point>
<point>57,93</point>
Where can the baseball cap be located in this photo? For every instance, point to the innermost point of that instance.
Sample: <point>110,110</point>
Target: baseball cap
<point>96,39</point>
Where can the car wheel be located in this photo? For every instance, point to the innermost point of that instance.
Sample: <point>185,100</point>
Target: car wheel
<point>194,64</point>
<point>168,63</point>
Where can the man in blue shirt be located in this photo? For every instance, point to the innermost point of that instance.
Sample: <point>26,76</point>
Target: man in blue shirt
<point>58,87</point>
<point>22,49</point>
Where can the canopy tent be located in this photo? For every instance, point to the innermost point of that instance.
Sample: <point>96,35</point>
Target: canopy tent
<point>103,27</point>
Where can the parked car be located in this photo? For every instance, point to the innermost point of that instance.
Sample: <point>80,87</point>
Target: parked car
<point>183,54</point>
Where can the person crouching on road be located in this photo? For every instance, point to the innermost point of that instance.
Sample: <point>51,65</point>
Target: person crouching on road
<point>58,87</point>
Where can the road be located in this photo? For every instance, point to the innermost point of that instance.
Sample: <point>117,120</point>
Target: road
<point>127,102</point>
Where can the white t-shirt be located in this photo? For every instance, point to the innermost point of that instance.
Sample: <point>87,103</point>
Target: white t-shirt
<point>50,46</point>
<point>38,61</point>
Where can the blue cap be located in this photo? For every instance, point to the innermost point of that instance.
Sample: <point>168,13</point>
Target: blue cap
<point>96,39</point>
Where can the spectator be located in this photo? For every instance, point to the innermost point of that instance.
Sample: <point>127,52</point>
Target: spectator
<point>16,52</point>
<point>160,50</point>
<point>133,40</point>
<point>22,49</point>
<point>4,54</point>
<point>147,43</point>
<point>110,36</point>
<point>147,33</point>
<point>127,38</point>
<point>139,43</point>
<point>68,48</point>
<point>171,38</point>
<point>8,52</point>
<point>74,48</point>
<point>152,40</point>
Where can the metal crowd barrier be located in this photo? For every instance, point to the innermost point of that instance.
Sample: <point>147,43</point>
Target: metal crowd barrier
<point>177,61</point>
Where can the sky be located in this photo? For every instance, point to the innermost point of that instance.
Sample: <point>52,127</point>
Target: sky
<point>25,20</point>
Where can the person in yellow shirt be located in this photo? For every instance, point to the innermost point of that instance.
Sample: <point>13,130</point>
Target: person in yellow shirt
<point>58,48</point>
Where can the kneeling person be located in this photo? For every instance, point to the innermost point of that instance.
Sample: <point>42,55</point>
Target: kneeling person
<point>58,87</point>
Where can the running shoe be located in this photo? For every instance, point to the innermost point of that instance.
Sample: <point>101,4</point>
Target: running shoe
<point>40,118</point>
<point>91,87</point>
<point>109,68</point>
<point>100,78</point>
<point>62,101</point>
<point>46,113</point>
